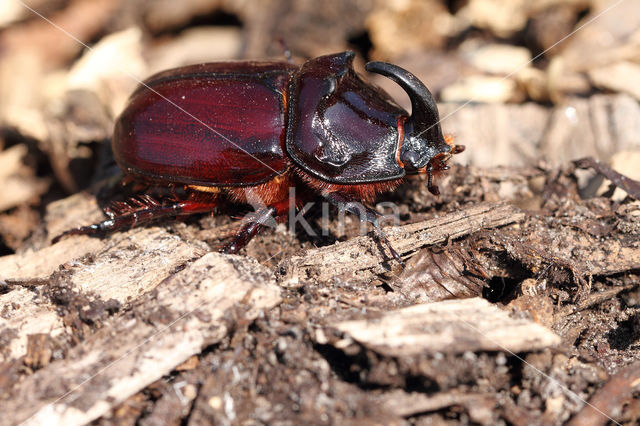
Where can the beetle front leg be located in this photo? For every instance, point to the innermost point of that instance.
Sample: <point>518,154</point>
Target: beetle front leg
<point>143,211</point>
<point>366,214</point>
<point>254,223</point>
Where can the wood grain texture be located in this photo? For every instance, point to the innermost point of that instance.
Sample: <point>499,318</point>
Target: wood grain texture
<point>186,313</point>
<point>123,268</point>
<point>451,326</point>
<point>363,253</point>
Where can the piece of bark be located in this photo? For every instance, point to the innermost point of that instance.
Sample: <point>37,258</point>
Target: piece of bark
<point>56,47</point>
<point>25,314</point>
<point>626,164</point>
<point>553,22</point>
<point>435,274</point>
<point>171,408</point>
<point>502,18</point>
<point>588,49</point>
<point>398,29</point>
<point>38,351</point>
<point>591,300</point>
<point>17,225</point>
<point>608,402</point>
<point>571,247</point>
<point>618,77</point>
<point>539,308</point>
<point>630,186</point>
<point>451,326</point>
<point>483,89</point>
<point>188,312</point>
<point>40,264</point>
<point>195,46</point>
<point>404,404</point>
<point>495,134</point>
<point>75,120</point>
<point>519,135</point>
<point>129,265</point>
<point>598,126</point>
<point>405,239</point>
<point>19,183</point>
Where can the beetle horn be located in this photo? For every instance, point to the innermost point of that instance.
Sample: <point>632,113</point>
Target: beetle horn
<point>424,111</point>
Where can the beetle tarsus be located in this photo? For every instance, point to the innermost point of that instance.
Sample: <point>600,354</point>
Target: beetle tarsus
<point>81,230</point>
<point>366,214</point>
<point>382,237</point>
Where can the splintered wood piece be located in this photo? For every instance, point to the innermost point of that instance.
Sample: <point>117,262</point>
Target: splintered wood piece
<point>405,404</point>
<point>435,274</point>
<point>609,402</point>
<point>570,247</point>
<point>630,186</point>
<point>19,183</point>
<point>130,265</point>
<point>187,313</point>
<point>452,326</point>
<point>42,263</point>
<point>363,253</point>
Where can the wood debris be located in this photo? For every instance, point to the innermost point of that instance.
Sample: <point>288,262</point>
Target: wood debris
<point>452,326</point>
<point>130,265</point>
<point>187,312</point>
<point>404,239</point>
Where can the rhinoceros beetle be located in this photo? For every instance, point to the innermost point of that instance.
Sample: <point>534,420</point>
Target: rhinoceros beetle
<point>229,130</point>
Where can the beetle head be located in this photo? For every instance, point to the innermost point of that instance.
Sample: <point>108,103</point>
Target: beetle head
<point>424,148</point>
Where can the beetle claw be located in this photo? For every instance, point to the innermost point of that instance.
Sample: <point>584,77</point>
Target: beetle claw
<point>382,237</point>
<point>395,254</point>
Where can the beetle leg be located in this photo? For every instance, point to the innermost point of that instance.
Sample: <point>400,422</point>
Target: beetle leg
<point>285,50</point>
<point>255,222</point>
<point>365,213</point>
<point>151,211</point>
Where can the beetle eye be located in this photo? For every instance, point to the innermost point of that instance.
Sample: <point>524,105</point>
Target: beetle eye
<point>410,159</point>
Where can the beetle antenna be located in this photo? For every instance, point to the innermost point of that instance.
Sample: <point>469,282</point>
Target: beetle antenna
<point>430,186</point>
<point>285,50</point>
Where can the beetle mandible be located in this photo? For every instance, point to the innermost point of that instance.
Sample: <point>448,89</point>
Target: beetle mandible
<point>223,130</point>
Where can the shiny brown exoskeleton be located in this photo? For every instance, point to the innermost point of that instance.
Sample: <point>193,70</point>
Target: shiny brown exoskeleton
<point>234,131</point>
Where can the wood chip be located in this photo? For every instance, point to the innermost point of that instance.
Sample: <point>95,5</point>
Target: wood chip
<point>187,313</point>
<point>619,77</point>
<point>407,404</point>
<point>363,253</point>
<point>38,351</point>
<point>452,326</point>
<point>130,265</point>
<point>42,263</point>
<point>630,186</point>
<point>599,127</point>
<point>496,134</point>
<point>609,402</point>
<point>435,274</point>
<point>24,314</point>
<point>18,182</point>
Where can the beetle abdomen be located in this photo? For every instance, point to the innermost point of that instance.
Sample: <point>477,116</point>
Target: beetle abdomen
<point>210,125</point>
